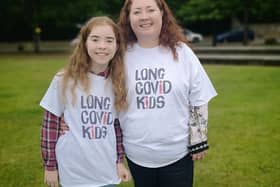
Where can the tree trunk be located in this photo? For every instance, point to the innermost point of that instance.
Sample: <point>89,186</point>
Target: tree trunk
<point>246,21</point>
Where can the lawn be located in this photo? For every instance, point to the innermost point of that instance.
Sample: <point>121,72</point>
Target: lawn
<point>244,121</point>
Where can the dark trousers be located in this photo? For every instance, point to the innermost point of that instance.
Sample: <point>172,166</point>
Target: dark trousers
<point>178,174</point>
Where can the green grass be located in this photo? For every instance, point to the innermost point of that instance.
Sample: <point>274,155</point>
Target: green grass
<point>244,123</point>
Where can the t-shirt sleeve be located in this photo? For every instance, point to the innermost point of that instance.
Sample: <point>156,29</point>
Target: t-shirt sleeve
<point>201,90</point>
<point>52,100</point>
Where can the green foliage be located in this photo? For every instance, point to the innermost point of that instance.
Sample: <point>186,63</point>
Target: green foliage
<point>270,41</point>
<point>194,10</point>
<point>200,10</point>
<point>58,18</point>
<point>266,11</point>
<point>244,122</point>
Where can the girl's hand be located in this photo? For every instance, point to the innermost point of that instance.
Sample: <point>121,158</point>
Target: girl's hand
<point>123,172</point>
<point>51,178</point>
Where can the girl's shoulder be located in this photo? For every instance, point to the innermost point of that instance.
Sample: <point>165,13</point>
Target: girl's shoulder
<point>58,78</point>
<point>60,73</point>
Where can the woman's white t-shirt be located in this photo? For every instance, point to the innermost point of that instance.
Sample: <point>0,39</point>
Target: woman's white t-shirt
<point>86,155</point>
<point>160,91</point>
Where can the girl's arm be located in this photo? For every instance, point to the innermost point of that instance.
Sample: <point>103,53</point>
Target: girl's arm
<point>122,171</point>
<point>119,138</point>
<point>49,137</point>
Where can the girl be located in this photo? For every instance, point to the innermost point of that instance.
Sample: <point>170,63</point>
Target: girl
<point>88,92</point>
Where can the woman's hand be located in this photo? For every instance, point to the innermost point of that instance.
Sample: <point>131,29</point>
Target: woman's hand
<point>63,127</point>
<point>199,156</point>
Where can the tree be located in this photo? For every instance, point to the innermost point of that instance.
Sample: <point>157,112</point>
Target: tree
<point>201,10</point>
<point>57,19</point>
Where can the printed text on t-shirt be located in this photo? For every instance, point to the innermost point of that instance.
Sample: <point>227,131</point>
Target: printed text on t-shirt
<point>95,116</point>
<point>151,88</point>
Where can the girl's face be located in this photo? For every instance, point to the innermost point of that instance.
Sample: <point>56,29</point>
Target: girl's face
<point>101,46</point>
<point>145,20</point>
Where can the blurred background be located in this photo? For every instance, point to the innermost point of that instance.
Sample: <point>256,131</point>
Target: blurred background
<point>212,21</point>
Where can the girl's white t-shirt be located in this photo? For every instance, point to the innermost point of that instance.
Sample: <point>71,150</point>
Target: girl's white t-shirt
<point>86,154</point>
<point>160,91</point>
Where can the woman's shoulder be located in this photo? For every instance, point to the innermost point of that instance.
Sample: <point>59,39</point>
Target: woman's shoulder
<point>183,47</point>
<point>187,55</point>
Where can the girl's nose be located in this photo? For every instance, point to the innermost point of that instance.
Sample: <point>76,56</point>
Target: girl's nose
<point>102,45</point>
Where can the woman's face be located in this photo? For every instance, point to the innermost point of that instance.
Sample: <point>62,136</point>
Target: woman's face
<point>101,46</point>
<point>145,20</point>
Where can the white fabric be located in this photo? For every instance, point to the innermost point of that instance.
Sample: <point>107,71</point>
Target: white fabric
<point>86,154</point>
<point>155,127</point>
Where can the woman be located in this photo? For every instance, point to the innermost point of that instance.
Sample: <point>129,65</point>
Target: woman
<point>164,128</point>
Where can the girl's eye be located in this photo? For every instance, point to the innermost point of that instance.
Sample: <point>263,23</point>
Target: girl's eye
<point>109,41</point>
<point>151,10</point>
<point>93,38</point>
<point>136,12</point>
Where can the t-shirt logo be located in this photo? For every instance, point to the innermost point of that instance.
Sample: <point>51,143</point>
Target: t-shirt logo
<point>95,116</point>
<point>151,88</point>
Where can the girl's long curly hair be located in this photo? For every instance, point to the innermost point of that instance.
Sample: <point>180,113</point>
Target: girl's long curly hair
<point>80,64</point>
<point>171,33</point>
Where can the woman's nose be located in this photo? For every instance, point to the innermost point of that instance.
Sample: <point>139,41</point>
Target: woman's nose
<point>143,15</point>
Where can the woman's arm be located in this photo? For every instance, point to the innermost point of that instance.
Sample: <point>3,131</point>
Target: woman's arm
<point>198,128</point>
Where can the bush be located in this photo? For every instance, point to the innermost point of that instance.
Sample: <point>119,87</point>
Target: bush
<point>270,41</point>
